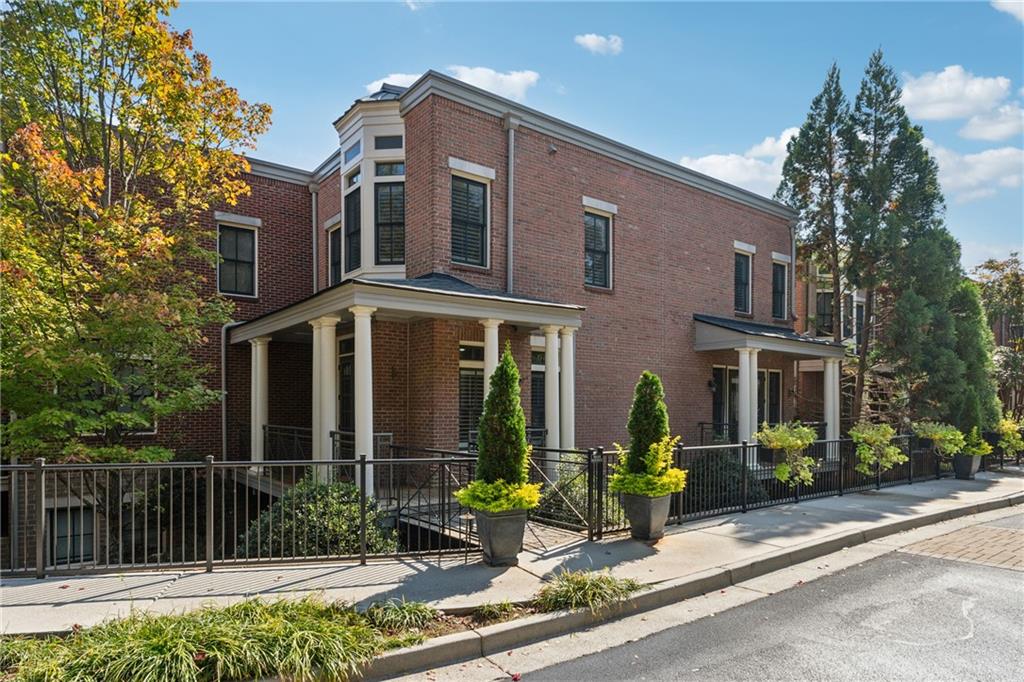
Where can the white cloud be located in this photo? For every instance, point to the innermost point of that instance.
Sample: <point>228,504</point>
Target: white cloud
<point>415,5</point>
<point>1014,7</point>
<point>1005,122</point>
<point>952,93</point>
<point>511,84</point>
<point>969,177</point>
<point>759,169</point>
<point>402,79</point>
<point>598,44</point>
<point>974,253</point>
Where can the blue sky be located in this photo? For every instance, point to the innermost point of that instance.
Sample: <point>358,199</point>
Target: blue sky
<point>717,87</point>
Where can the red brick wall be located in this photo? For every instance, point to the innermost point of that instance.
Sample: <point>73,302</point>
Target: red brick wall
<point>328,206</point>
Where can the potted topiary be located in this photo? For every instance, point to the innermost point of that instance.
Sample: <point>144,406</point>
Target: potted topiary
<point>500,495</point>
<point>645,476</point>
<point>791,440</point>
<point>875,451</point>
<point>946,440</point>
<point>967,462</point>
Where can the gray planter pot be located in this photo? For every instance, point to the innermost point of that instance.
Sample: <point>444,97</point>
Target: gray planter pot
<point>647,515</point>
<point>501,536</point>
<point>965,466</point>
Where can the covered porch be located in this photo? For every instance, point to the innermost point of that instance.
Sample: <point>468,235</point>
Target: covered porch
<point>403,361</point>
<point>756,387</point>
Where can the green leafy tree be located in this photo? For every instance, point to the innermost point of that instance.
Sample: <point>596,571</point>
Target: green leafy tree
<point>1002,292</point>
<point>814,180</point>
<point>648,420</point>
<point>118,141</point>
<point>977,405</point>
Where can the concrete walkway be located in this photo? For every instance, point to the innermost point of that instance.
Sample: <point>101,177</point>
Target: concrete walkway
<point>735,541</point>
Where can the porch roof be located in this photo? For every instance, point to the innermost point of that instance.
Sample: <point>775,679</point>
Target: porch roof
<point>722,333</point>
<point>432,295</point>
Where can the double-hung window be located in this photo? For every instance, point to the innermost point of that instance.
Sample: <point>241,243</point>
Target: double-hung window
<point>469,221</point>
<point>389,220</point>
<point>471,389</point>
<point>334,255</point>
<point>741,282</point>
<point>353,211</point>
<point>779,287</point>
<point>236,273</point>
<point>596,250</point>
<point>823,313</point>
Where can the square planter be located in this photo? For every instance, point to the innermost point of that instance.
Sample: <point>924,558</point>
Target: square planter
<point>647,516</point>
<point>501,536</point>
<point>965,466</point>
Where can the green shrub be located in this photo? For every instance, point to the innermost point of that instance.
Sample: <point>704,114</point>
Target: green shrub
<point>584,589</point>
<point>657,478</point>
<point>975,446</point>
<point>715,481</point>
<point>875,450</point>
<point>312,519</point>
<point>946,440</point>
<point>495,612</point>
<point>648,420</point>
<point>503,454</point>
<point>397,615</point>
<point>1010,440</point>
<point>792,440</point>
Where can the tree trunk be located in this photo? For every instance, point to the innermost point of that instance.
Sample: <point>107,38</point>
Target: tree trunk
<point>862,355</point>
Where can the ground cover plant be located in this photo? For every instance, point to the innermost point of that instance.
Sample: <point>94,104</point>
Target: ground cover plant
<point>592,590</point>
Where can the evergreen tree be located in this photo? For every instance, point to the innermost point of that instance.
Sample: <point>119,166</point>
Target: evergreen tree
<point>502,439</point>
<point>814,179</point>
<point>648,420</point>
<point>977,406</point>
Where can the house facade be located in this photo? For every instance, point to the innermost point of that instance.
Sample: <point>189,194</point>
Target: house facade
<point>374,293</point>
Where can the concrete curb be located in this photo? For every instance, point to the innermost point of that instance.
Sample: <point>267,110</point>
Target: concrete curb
<point>491,639</point>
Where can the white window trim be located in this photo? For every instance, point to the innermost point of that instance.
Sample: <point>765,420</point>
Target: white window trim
<point>471,364</point>
<point>487,204</point>
<point>600,206</point>
<point>750,282</point>
<point>255,259</point>
<point>475,171</point>
<point>785,289</point>
<point>744,247</point>
<point>346,190</point>
<point>761,370</point>
<point>781,257</point>
<point>611,248</point>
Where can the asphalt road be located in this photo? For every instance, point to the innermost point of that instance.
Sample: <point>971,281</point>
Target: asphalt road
<point>898,617</point>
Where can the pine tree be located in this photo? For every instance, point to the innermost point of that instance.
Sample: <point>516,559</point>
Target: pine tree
<point>814,181</point>
<point>977,406</point>
<point>648,420</point>
<point>502,439</point>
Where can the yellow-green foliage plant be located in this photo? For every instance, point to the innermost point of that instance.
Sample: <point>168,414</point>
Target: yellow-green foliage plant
<point>946,440</point>
<point>658,477</point>
<point>792,440</point>
<point>875,451</point>
<point>1010,440</point>
<point>975,445</point>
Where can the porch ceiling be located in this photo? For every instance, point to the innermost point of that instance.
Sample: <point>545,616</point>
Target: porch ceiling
<point>720,333</point>
<point>432,296</point>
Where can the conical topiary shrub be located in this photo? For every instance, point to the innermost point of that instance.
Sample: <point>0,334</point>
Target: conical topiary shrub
<point>648,420</point>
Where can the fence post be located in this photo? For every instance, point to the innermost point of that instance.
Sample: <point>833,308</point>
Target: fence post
<point>910,461</point>
<point>590,494</point>
<point>842,467</point>
<point>599,490</point>
<point>878,474</point>
<point>677,455</point>
<point>938,463</point>
<point>362,509</point>
<point>39,466</point>
<point>744,485</point>
<point>209,513</point>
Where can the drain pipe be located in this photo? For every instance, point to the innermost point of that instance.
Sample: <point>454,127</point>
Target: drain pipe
<point>314,190</point>
<point>224,387</point>
<point>792,270</point>
<point>511,124</point>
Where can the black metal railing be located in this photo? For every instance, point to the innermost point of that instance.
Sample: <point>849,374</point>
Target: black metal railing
<point>727,433</point>
<point>287,442</point>
<point>535,436</point>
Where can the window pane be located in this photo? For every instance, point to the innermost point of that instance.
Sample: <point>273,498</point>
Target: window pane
<point>778,290</point>
<point>774,397</point>
<point>347,394</point>
<point>388,142</point>
<point>824,312</point>
<point>718,415</point>
<point>741,297</point>
<point>385,168</point>
<point>353,151</point>
<point>389,210</point>
<point>227,277</point>
<point>469,221</point>
<point>243,278</point>
<point>228,244</point>
<point>471,353</point>
<point>352,231</point>
<point>246,245</point>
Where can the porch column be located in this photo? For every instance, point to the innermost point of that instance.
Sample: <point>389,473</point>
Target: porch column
<point>551,410</point>
<point>490,351</point>
<point>363,380</point>
<point>754,398</point>
<point>743,403</point>
<point>567,397</point>
<point>325,378</point>
<point>259,396</point>
<point>831,398</point>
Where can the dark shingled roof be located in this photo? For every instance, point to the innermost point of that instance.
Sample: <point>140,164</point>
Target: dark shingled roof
<point>447,284</point>
<point>387,93</point>
<point>758,329</point>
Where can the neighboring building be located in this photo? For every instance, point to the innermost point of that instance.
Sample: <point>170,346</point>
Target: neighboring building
<point>374,293</point>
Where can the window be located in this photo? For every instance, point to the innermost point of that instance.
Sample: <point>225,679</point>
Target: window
<point>389,221</point>
<point>71,535</point>
<point>387,142</point>
<point>236,273</point>
<point>741,283</point>
<point>386,168</point>
<point>353,178</point>
<point>334,255</point>
<point>596,250</point>
<point>779,288</point>
<point>353,217</point>
<point>537,420</point>
<point>469,221</point>
<point>823,313</point>
<point>471,390</point>
<point>353,151</point>
<point>346,385</point>
<point>725,401</point>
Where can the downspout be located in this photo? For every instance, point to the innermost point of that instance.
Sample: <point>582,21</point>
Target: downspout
<point>511,124</point>
<point>314,190</point>
<point>792,270</point>
<point>224,388</point>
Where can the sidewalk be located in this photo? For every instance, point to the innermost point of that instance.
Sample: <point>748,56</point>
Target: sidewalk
<point>746,544</point>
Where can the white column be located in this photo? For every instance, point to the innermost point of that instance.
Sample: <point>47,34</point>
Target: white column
<point>325,384</point>
<point>567,396</point>
<point>752,359</point>
<point>364,386</point>
<point>259,395</point>
<point>831,389</point>
<point>743,403</point>
<point>490,351</point>
<point>551,410</point>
